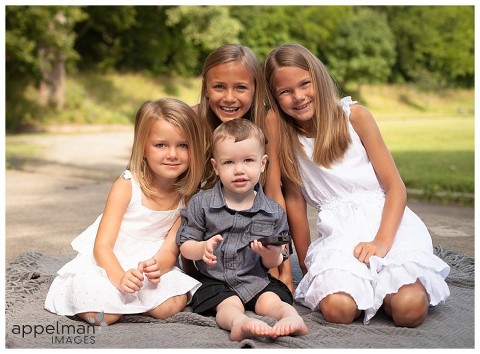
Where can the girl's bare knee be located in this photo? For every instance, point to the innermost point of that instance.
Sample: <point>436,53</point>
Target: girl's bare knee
<point>409,306</point>
<point>339,308</point>
<point>412,314</point>
<point>169,307</point>
<point>97,318</point>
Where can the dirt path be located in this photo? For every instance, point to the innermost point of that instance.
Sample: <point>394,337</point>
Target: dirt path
<point>55,196</point>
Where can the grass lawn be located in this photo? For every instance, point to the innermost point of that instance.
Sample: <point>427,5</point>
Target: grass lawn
<point>430,135</point>
<point>434,155</point>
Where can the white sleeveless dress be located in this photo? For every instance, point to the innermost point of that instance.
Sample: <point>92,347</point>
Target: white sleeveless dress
<point>349,200</point>
<point>82,286</point>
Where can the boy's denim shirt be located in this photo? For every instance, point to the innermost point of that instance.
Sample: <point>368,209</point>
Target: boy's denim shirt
<point>237,264</point>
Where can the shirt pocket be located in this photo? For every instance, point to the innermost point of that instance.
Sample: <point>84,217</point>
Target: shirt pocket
<point>262,229</point>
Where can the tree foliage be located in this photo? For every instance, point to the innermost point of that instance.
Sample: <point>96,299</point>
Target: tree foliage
<point>30,28</point>
<point>435,44</point>
<point>362,49</point>
<point>430,46</point>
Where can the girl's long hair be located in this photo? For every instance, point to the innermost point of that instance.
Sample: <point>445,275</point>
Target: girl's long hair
<point>182,116</point>
<point>330,123</point>
<point>230,53</point>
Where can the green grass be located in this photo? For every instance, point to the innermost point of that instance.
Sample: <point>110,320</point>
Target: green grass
<point>434,155</point>
<point>94,98</point>
<point>18,151</point>
<point>430,134</point>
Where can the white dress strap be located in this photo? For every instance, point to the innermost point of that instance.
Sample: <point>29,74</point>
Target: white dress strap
<point>136,191</point>
<point>345,103</point>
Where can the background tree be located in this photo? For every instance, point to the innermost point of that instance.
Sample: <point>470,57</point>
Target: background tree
<point>435,44</point>
<point>428,46</point>
<point>263,27</point>
<point>362,49</point>
<point>316,26</point>
<point>103,36</point>
<point>40,40</point>
<point>203,28</point>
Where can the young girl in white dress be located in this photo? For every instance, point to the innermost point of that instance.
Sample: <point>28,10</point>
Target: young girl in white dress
<point>126,262</point>
<point>371,250</point>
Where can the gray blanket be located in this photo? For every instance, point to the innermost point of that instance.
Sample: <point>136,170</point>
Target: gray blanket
<point>29,325</point>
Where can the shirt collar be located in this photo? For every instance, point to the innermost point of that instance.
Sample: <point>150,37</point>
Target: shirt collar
<point>218,202</point>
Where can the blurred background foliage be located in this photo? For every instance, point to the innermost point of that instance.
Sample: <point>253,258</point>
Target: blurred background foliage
<point>431,47</point>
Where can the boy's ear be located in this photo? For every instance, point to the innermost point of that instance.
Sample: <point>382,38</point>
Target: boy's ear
<point>264,162</point>
<point>214,165</point>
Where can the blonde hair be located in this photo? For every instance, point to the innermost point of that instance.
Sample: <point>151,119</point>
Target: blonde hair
<point>230,53</point>
<point>239,129</point>
<point>330,123</point>
<point>182,116</point>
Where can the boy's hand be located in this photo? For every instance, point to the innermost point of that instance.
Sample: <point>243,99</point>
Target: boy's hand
<point>151,270</point>
<point>271,255</point>
<point>210,245</point>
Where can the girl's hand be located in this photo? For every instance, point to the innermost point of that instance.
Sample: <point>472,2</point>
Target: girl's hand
<point>364,250</point>
<point>270,254</point>
<point>210,245</point>
<point>151,270</point>
<point>132,281</point>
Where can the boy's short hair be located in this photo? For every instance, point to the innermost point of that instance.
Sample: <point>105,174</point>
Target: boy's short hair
<point>239,129</point>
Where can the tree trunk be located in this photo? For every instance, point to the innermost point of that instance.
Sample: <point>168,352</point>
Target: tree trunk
<point>52,86</point>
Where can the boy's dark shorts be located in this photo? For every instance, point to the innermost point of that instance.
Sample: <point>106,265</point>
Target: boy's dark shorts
<point>212,292</point>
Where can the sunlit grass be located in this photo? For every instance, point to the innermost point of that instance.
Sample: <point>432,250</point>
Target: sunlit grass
<point>94,98</point>
<point>408,102</point>
<point>18,150</point>
<point>430,134</point>
<point>434,155</point>
<point>433,134</point>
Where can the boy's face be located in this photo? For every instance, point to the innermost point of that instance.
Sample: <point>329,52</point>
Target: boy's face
<point>238,164</point>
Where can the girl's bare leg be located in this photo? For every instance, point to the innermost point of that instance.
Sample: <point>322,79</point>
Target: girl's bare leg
<point>108,318</point>
<point>169,308</point>
<point>409,306</point>
<point>339,308</point>
<point>285,274</point>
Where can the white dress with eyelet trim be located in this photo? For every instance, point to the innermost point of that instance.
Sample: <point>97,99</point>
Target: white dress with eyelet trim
<point>349,199</point>
<point>83,286</point>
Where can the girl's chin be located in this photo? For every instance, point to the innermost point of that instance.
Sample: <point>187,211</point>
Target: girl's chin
<point>224,116</point>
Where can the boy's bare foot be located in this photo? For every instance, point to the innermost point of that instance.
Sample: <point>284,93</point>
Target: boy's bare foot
<point>250,327</point>
<point>290,326</point>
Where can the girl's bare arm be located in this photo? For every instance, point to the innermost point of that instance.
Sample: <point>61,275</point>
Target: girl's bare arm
<point>115,207</point>
<point>396,197</point>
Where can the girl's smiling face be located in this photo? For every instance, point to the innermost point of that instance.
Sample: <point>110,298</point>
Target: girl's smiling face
<point>295,93</point>
<point>230,88</point>
<point>166,151</point>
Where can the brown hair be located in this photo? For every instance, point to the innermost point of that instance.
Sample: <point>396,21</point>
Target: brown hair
<point>230,53</point>
<point>332,136</point>
<point>239,129</point>
<point>184,118</point>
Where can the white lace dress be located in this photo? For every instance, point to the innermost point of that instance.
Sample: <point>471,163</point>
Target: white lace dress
<point>349,200</point>
<point>82,286</point>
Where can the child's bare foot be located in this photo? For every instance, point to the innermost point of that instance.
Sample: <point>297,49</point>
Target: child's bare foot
<point>290,325</point>
<point>250,327</point>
